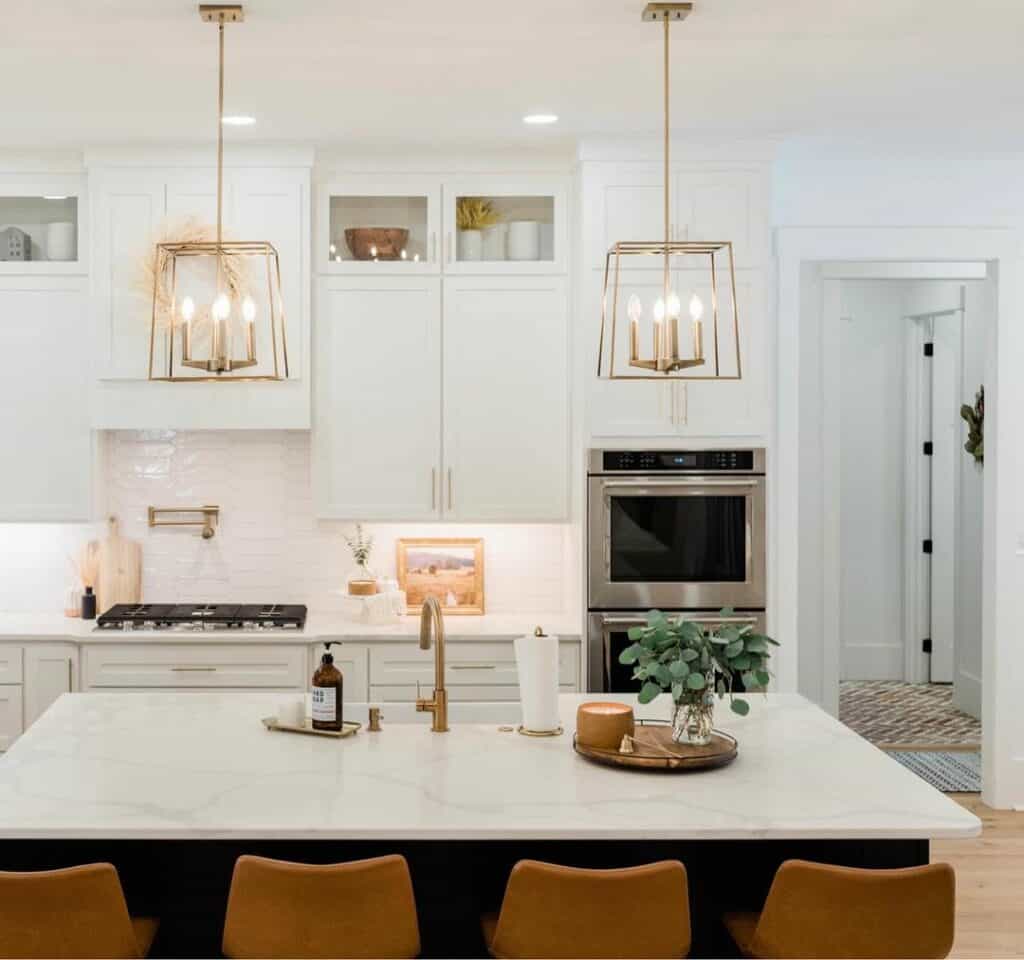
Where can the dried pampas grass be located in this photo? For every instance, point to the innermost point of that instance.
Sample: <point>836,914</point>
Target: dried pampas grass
<point>156,263</point>
<point>475,213</point>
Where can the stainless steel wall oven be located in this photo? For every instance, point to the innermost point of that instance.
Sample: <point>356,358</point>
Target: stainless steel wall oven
<point>677,530</point>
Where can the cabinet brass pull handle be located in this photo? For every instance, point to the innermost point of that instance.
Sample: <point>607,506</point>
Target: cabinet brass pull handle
<point>433,488</point>
<point>433,246</point>
<point>450,245</point>
<point>473,666</point>
<point>449,488</point>
<point>193,669</point>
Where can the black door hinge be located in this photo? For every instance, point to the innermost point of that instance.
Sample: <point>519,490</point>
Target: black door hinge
<point>926,645</point>
<point>929,449</point>
<point>926,546</point>
<point>929,349</point>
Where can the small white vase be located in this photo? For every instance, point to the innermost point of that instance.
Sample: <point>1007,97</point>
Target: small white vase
<point>523,240</point>
<point>494,242</point>
<point>60,241</point>
<point>471,245</point>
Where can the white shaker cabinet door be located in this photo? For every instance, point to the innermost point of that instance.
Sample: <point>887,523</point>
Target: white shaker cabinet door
<point>44,410</point>
<point>10,716</point>
<point>506,399</point>
<point>377,422</point>
<point>50,670</point>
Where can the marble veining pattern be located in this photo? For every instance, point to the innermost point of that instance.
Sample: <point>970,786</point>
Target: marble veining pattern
<point>200,765</point>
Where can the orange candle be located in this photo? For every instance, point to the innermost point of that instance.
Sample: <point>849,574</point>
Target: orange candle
<point>603,724</point>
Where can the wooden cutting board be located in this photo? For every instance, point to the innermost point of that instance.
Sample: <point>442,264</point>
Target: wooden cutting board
<point>120,569</point>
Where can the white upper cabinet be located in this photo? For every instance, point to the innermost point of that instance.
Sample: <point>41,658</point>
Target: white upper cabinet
<point>626,202</point>
<point>381,225</point>
<point>44,410</point>
<point>525,231</point>
<point>506,397</point>
<point>135,204</point>
<point>377,422</point>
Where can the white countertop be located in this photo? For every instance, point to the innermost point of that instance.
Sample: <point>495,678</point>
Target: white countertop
<point>28,627</point>
<point>200,765</point>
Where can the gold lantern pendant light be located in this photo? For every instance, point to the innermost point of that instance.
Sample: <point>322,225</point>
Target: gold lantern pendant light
<point>668,359</point>
<point>209,294</point>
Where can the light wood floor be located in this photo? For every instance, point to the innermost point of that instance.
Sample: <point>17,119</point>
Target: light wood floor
<point>989,883</point>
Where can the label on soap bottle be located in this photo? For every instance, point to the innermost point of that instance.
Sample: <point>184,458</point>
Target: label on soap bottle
<point>325,704</point>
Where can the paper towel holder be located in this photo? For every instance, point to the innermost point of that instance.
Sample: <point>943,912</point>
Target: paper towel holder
<point>559,730</point>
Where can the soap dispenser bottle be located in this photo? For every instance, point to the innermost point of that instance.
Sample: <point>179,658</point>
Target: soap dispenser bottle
<point>327,690</point>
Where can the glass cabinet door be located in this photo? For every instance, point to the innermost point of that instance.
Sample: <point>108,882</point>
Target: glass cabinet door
<point>494,226</point>
<point>39,232</point>
<point>379,226</point>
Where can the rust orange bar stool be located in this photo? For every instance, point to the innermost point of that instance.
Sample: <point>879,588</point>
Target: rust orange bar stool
<point>565,912</point>
<point>817,910</point>
<point>360,909</point>
<point>74,912</point>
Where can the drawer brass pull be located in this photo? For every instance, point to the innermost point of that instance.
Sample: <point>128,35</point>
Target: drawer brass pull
<point>193,669</point>
<point>474,666</point>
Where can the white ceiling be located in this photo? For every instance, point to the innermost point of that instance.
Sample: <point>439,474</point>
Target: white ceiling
<point>342,71</point>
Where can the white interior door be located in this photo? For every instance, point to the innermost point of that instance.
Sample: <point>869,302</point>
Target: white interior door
<point>945,410</point>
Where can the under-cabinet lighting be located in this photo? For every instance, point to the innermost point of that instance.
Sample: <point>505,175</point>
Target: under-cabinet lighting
<point>539,119</point>
<point>237,120</point>
<point>55,196</point>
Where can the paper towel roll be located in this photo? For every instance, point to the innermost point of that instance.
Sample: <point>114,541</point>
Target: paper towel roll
<point>537,663</point>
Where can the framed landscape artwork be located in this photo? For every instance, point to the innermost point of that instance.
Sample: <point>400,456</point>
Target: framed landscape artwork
<point>452,569</point>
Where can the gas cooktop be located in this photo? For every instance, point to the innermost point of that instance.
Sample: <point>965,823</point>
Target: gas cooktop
<point>203,616</point>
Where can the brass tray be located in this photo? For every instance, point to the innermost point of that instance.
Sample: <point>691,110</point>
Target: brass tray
<point>348,727</point>
<point>654,749</point>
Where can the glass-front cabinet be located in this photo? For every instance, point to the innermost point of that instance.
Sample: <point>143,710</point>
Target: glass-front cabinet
<point>379,225</point>
<point>40,226</point>
<point>393,224</point>
<point>495,226</point>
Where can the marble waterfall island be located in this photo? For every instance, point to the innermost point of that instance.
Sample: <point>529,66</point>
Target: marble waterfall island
<point>172,787</point>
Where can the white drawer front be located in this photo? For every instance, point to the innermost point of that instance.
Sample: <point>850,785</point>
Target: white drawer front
<point>10,664</point>
<point>473,672</point>
<point>192,665</point>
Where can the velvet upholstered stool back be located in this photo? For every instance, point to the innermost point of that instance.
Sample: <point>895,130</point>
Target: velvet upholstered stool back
<point>360,909</point>
<point>70,913</point>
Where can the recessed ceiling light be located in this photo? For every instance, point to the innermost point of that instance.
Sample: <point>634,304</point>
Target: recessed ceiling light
<point>239,120</point>
<point>540,118</point>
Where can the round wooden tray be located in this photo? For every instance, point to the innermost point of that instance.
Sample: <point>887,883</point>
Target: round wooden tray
<point>654,749</point>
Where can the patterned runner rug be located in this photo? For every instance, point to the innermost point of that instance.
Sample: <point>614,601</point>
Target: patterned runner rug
<point>887,712</point>
<point>956,771</point>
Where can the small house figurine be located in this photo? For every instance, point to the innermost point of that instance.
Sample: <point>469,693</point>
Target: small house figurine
<point>15,244</point>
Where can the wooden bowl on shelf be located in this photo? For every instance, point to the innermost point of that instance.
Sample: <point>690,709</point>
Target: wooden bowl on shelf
<point>376,243</point>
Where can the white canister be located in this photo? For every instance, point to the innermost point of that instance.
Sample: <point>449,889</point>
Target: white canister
<point>60,241</point>
<point>537,665</point>
<point>471,245</point>
<point>523,240</point>
<point>494,241</point>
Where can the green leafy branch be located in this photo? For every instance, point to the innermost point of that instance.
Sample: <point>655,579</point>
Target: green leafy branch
<point>678,656</point>
<point>361,546</point>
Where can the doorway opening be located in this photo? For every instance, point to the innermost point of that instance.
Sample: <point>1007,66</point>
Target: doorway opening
<point>900,358</point>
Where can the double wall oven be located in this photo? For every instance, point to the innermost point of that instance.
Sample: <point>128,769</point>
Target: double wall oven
<point>678,530</point>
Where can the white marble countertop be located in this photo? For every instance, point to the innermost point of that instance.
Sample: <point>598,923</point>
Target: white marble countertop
<point>200,765</point>
<point>29,627</point>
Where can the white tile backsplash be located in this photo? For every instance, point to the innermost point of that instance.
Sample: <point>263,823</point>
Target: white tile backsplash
<point>269,545</point>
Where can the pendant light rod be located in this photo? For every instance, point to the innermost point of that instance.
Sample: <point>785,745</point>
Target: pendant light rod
<point>220,131</point>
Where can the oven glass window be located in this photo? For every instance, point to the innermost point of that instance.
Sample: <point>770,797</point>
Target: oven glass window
<point>666,539</point>
<point>619,678</point>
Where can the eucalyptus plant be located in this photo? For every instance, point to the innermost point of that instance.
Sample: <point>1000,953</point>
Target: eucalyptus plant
<point>691,662</point>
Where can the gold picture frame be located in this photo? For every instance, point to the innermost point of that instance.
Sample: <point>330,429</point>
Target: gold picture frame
<point>450,568</point>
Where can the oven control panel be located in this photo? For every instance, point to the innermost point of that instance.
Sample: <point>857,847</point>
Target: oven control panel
<point>681,461</point>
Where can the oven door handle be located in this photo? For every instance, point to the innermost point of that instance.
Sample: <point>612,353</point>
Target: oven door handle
<point>642,621</point>
<point>682,482</point>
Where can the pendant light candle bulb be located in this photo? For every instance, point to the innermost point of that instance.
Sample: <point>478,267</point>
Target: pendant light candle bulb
<point>659,310</point>
<point>696,307</point>
<point>248,310</point>
<point>188,309</point>
<point>634,310</point>
<point>221,307</point>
